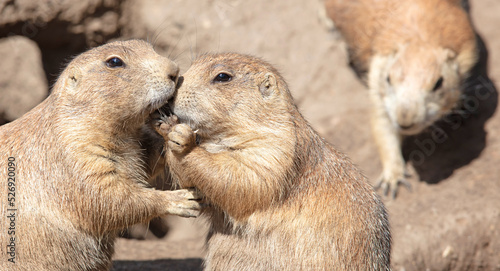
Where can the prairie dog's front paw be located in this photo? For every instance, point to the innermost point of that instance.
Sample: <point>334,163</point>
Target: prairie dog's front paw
<point>163,126</point>
<point>184,202</point>
<point>181,139</point>
<point>390,181</point>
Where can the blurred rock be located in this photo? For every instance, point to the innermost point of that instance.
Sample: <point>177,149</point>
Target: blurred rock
<point>55,22</point>
<point>61,28</point>
<point>22,81</point>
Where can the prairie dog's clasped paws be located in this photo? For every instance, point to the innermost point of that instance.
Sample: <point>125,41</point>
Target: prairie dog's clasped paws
<point>184,202</point>
<point>163,126</point>
<point>181,139</point>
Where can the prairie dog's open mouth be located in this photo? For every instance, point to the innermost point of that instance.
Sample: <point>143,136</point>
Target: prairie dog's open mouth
<point>413,129</point>
<point>164,112</point>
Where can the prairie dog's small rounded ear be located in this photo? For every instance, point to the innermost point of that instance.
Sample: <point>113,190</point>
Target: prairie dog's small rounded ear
<point>71,79</point>
<point>450,54</point>
<point>269,86</point>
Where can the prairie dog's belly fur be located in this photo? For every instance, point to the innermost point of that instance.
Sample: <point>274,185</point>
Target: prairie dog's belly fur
<point>414,57</point>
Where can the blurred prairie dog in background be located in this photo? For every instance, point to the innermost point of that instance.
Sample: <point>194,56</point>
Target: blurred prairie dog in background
<point>414,57</point>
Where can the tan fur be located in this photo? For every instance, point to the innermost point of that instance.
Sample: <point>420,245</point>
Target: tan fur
<point>413,55</point>
<point>80,173</point>
<point>281,197</point>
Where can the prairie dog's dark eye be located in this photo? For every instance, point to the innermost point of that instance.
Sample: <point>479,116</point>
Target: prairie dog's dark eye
<point>114,62</point>
<point>222,77</point>
<point>388,79</point>
<point>439,84</point>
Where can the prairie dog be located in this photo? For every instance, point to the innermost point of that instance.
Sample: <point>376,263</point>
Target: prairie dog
<point>414,57</point>
<point>76,165</point>
<point>281,197</point>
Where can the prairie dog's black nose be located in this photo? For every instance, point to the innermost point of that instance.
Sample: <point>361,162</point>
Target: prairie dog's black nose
<point>174,76</point>
<point>172,70</point>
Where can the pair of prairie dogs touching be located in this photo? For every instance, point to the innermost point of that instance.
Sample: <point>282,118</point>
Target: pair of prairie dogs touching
<point>279,196</point>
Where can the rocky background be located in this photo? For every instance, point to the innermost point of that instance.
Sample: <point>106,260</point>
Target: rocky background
<point>451,219</point>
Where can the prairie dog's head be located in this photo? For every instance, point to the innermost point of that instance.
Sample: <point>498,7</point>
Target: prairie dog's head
<point>223,94</point>
<point>417,85</point>
<point>123,81</point>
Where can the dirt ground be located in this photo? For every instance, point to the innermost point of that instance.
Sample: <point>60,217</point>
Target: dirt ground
<point>450,220</point>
